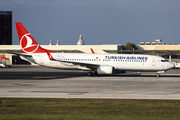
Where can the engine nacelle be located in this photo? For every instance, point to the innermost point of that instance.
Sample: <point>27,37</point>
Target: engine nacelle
<point>105,70</point>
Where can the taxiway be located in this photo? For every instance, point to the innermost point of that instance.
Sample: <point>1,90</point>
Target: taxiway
<point>42,82</point>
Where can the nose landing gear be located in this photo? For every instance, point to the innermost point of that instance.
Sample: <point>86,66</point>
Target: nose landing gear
<point>157,75</point>
<point>90,73</point>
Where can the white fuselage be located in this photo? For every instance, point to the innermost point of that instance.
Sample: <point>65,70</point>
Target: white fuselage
<point>125,62</point>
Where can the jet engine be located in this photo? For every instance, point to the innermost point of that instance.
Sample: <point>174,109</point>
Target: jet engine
<point>105,70</point>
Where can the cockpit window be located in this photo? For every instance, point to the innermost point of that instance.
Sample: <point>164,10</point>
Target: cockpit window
<point>164,61</point>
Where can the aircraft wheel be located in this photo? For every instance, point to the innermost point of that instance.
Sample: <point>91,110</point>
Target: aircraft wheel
<point>95,73</point>
<point>157,75</point>
<point>89,73</point>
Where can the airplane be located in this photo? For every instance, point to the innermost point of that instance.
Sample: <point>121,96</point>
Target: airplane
<point>96,64</point>
<point>92,51</point>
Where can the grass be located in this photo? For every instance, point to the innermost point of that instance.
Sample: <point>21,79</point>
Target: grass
<point>87,109</point>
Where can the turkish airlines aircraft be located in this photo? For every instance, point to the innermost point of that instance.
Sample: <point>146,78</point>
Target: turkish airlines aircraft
<point>94,63</point>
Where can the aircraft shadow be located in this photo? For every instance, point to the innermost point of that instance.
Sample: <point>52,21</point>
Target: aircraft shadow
<point>60,75</point>
<point>138,75</point>
<point>38,75</point>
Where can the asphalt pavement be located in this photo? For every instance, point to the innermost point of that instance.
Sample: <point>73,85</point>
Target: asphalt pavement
<point>21,81</point>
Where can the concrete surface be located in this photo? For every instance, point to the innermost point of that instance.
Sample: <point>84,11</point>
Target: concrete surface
<point>42,82</point>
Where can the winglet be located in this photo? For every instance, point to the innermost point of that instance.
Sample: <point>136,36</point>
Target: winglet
<point>92,51</point>
<point>50,56</point>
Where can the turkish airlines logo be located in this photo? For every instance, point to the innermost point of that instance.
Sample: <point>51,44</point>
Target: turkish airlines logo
<point>28,45</point>
<point>50,57</point>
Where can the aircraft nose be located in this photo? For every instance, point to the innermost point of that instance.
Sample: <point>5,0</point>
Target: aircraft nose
<point>171,65</point>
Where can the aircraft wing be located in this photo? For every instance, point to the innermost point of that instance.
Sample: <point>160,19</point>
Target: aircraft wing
<point>88,65</point>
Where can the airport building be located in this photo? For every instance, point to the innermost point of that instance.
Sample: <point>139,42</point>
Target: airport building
<point>170,52</point>
<point>5,32</point>
<point>5,27</point>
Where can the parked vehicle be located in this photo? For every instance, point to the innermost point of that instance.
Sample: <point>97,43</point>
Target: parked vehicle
<point>2,64</point>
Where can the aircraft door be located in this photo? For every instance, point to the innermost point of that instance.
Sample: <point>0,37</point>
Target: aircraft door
<point>154,62</point>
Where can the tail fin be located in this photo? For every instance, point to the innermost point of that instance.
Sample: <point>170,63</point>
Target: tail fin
<point>92,51</point>
<point>27,42</point>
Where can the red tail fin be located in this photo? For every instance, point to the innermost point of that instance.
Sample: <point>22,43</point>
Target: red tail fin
<point>92,51</point>
<point>27,42</point>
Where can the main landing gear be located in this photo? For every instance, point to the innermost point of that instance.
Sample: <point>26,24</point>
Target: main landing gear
<point>92,73</point>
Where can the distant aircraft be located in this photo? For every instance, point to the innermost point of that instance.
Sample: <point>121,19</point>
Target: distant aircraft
<point>92,51</point>
<point>94,63</point>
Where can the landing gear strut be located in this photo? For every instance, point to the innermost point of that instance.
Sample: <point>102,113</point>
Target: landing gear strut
<point>91,73</point>
<point>157,75</point>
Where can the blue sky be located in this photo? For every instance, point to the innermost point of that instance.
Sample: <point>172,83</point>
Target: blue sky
<point>99,21</point>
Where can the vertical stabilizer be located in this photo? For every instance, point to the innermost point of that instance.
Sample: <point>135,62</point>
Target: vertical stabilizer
<point>92,51</point>
<point>27,42</point>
